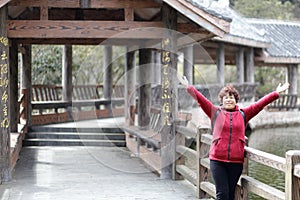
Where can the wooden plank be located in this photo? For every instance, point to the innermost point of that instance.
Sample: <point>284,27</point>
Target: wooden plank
<point>267,159</point>
<point>92,4</point>
<point>187,173</point>
<point>261,189</point>
<point>186,131</point>
<point>82,29</point>
<point>187,152</point>
<point>209,188</point>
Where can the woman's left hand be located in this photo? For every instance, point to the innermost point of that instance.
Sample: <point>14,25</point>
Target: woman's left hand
<point>282,88</point>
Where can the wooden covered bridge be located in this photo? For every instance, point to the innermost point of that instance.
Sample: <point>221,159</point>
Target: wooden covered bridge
<point>159,31</point>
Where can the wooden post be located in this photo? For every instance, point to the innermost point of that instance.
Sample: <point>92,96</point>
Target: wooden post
<point>26,80</point>
<point>250,65</point>
<point>169,92</point>
<point>221,64</point>
<point>130,94</point>
<point>240,65</point>
<point>188,65</point>
<point>13,86</point>
<point>156,68</point>
<point>107,75</point>
<point>202,152</point>
<point>67,73</point>
<point>144,92</point>
<point>5,174</point>
<point>292,183</point>
<point>292,78</point>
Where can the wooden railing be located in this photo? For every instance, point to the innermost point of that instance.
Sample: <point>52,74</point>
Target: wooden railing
<point>87,103</point>
<point>284,103</point>
<point>200,176</point>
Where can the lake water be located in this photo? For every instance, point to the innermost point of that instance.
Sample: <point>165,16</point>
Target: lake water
<point>276,141</point>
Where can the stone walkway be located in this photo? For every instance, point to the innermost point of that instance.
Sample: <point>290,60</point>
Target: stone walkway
<point>86,173</point>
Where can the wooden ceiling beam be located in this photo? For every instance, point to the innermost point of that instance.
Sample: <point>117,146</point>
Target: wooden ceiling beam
<point>91,29</point>
<point>82,29</point>
<point>115,4</point>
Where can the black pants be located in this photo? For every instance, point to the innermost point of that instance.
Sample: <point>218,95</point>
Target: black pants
<point>226,176</point>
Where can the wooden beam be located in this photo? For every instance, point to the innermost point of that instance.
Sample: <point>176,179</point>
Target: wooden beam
<point>3,2</point>
<point>214,24</point>
<point>92,3</point>
<point>82,29</point>
<point>129,14</point>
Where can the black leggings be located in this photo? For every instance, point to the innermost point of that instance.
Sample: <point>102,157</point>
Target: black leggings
<point>226,176</point>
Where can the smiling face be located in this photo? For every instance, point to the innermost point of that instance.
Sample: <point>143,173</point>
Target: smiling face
<point>229,102</point>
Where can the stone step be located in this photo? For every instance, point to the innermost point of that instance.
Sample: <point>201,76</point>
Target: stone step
<point>74,129</point>
<point>73,142</point>
<point>76,135</point>
<point>71,136</point>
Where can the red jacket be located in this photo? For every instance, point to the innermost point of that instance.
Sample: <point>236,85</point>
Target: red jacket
<point>229,129</point>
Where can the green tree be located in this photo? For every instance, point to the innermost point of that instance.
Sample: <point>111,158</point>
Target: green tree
<point>46,64</point>
<point>267,9</point>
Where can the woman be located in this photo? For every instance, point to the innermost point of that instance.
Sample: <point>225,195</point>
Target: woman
<point>228,125</point>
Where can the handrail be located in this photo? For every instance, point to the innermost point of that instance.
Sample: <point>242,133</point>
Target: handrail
<point>289,165</point>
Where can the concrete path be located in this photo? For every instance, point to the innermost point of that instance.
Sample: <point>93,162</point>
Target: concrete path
<point>85,173</point>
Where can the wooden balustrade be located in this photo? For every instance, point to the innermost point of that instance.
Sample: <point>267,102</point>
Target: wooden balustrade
<point>284,103</point>
<point>200,177</point>
<point>87,103</point>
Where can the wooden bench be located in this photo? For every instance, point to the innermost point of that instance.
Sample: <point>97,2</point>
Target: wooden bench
<point>146,144</point>
<point>151,137</point>
<point>285,102</point>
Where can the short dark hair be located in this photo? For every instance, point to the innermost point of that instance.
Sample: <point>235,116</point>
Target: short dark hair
<point>229,89</point>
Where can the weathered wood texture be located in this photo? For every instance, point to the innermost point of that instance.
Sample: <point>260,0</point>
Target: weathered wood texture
<point>144,91</point>
<point>90,4</point>
<point>5,174</point>
<point>130,92</point>
<point>169,93</point>
<point>292,182</point>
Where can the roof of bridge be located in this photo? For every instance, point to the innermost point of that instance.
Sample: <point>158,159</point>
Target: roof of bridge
<point>284,37</point>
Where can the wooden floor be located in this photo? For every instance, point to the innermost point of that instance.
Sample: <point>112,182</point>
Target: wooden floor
<point>79,173</point>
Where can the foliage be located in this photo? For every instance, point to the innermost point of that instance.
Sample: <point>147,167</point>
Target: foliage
<point>87,64</point>
<point>46,64</point>
<point>267,9</point>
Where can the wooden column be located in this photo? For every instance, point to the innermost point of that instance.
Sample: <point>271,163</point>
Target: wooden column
<point>156,68</point>
<point>292,78</point>
<point>107,75</point>
<point>292,183</point>
<point>250,66</point>
<point>5,174</point>
<point>13,86</point>
<point>188,65</point>
<point>144,92</point>
<point>67,73</point>
<point>169,92</point>
<point>130,94</point>
<point>26,79</point>
<point>240,65</point>
<point>221,64</point>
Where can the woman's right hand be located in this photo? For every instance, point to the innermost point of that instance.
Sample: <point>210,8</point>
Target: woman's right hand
<point>183,80</point>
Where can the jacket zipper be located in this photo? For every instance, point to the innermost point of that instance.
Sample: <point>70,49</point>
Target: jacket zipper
<point>230,136</point>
